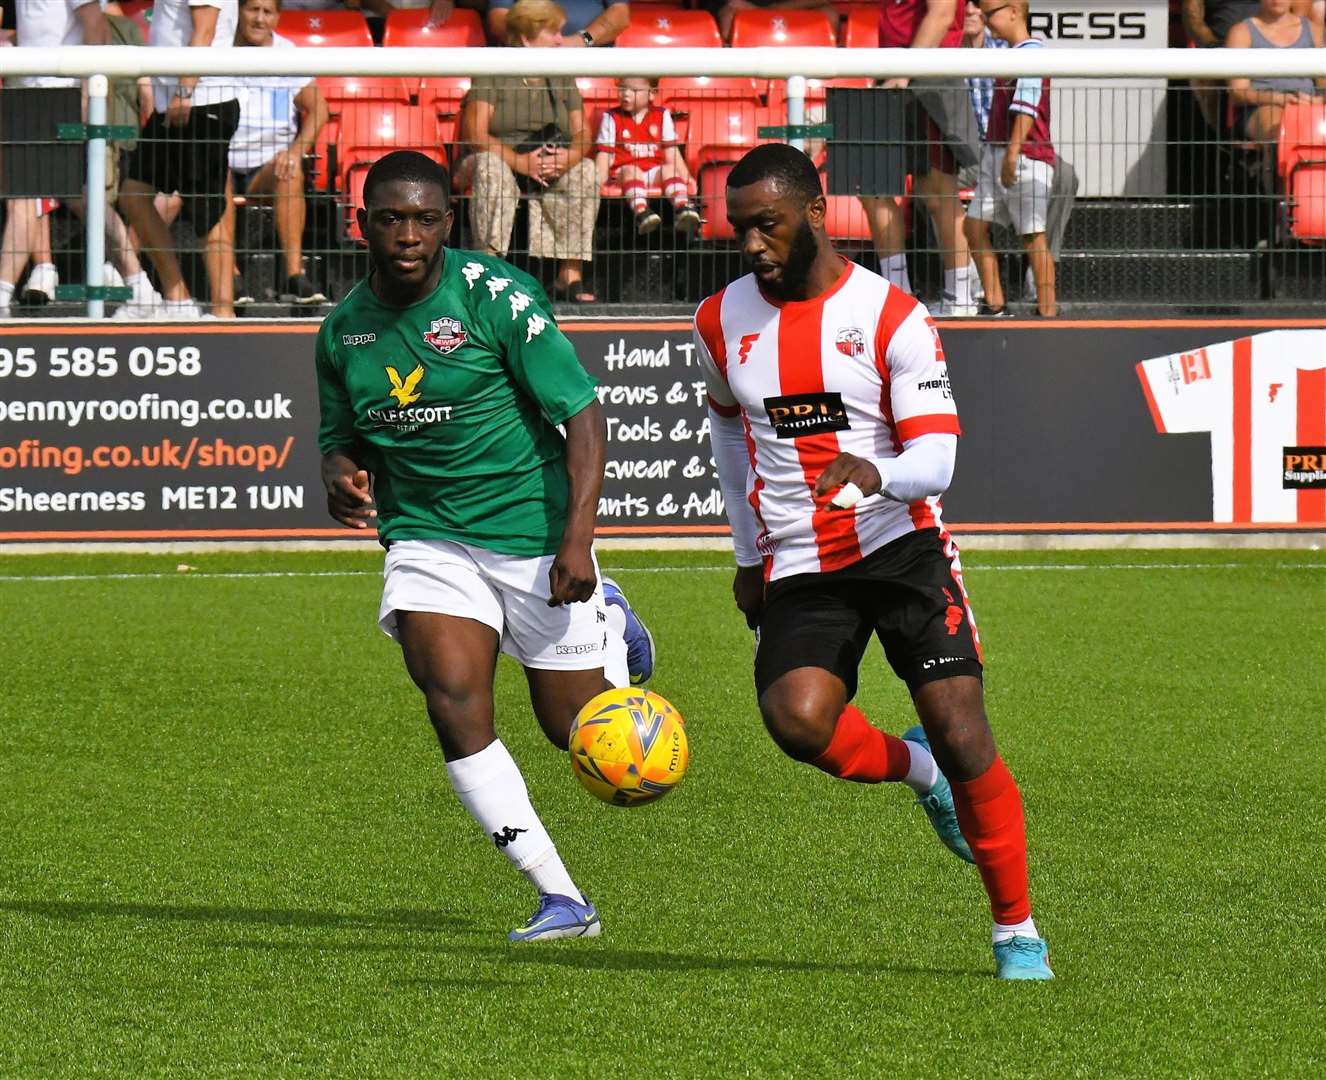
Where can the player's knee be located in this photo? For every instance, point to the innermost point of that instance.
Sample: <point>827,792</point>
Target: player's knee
<point>799,720</point>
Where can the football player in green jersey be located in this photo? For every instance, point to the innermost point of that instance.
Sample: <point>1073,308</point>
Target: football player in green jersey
<point>442,380</point>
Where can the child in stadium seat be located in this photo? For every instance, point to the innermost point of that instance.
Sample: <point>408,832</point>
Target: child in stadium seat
<point>637,145</point>
<point>1017,168</point>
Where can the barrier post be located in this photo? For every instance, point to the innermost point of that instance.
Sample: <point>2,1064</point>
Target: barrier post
<point>94,218</point>
<point>796,109</point>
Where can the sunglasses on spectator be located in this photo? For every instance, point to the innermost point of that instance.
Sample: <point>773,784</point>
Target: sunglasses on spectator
<point>995,11</point>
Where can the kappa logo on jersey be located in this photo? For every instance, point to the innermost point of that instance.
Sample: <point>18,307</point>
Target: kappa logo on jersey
<point>404,390</point>
<point>795,415</point>
<point>1305,467</point>
<point>358,339</point>
<point>446,334</point>
<point>851,341</point>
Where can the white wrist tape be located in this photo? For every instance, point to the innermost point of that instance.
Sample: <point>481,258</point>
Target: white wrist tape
<point>848,496</point>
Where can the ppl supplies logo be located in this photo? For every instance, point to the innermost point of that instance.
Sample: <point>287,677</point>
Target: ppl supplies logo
<point>405,390</point>
<point>851,341</point>
<point>795,415</point>
<point>1304,467</point>
<point>446,334</point>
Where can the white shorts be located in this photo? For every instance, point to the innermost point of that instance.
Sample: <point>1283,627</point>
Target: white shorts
<point>507,592</point>
<point>1024,206</point>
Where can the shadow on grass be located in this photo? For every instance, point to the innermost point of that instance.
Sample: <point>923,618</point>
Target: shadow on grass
<point>603,957</point>
<point>390,919</point>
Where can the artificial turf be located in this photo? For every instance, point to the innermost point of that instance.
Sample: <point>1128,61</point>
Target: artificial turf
<point>227,846</point>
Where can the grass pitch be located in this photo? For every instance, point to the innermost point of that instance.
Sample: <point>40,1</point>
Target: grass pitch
<point>227,845</point>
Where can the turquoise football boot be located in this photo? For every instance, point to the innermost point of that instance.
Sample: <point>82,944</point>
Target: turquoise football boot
<point>1021,957</point>
<point>938,805</point>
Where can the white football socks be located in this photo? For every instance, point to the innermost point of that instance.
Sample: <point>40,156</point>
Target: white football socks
<point>1026,928</point>
<point>894,268</point>
<point>958,284</point>
<point>490,787</point>
<point>922,772</point>
<point>614,657</point>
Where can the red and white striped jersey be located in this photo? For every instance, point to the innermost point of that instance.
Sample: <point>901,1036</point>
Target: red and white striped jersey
<point>1261,398</point>
<point>859,369</point>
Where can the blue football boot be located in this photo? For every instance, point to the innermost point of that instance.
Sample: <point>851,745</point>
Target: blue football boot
<point>639,641</point>
<point>938,805</point>
<point>1021,957</point>
<point>559,917</point>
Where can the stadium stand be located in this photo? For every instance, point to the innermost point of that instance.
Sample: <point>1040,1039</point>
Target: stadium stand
<point>1301,159</point>
<point>659,27</point>
<point>764,26</point>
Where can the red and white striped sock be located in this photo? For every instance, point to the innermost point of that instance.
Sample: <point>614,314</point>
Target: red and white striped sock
<point>990,816</point>
<point>860,752</point>
<point>634,191</point>
<point>675,190</point>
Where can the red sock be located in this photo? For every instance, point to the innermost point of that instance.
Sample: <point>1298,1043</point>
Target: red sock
<point>676,191</point>
<point>990,816</point>
<point>863,753</point>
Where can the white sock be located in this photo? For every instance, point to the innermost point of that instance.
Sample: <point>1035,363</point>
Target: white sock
<point>180,305</point>
<point>614,659</point>
<point>1026,928</point>
<point>490,787</point>
<point>6,293</point>
<point>922,772</point>
<point>957,283</point>
<point>1029,293</point>
<point>141,285</point>
<point>894,267</point>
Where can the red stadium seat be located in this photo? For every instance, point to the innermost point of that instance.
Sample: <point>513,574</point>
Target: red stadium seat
<point>343,28</point>
<point>762,26</point>
<point>446,92</point>
<point>679,89</point>
<point>405,26</point>
<point>341,88</point>
<point>860,30</point>
<point>658,28</point>
<point>722,131</point>
<point>368,129</point>
<point>597,90</point>
<point>1301,159</point>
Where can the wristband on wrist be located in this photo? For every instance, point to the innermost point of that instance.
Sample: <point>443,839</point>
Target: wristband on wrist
<point>587,38</point>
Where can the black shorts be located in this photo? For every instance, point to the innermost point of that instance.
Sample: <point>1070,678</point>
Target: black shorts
<point>191,159</point>
<point>907,592</point>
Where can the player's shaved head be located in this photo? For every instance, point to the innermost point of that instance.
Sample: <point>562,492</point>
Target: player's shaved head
<point>409,166</point>
<point>785,166</point>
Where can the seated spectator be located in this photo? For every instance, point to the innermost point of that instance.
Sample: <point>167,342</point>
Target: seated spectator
<point>27,231</point>
<point>184,147</point>
<point>1259,103</point>
<point>637,147</point>
<point>279,122</point>
<point>725,11</point>
<point>1017,167</point>
<point>588,22</point>
<point>529,134</point>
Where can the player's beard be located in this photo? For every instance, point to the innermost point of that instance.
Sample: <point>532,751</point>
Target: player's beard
<point>407,290</point>
<point>801,255</point>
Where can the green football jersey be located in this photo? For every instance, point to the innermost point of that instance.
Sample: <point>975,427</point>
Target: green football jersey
<point>452,404</point>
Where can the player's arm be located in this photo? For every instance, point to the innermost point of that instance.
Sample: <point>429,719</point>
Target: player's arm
<point>727,439</point>
<point>925,422</point>
<point>572,576</point>
<point>344,477</point>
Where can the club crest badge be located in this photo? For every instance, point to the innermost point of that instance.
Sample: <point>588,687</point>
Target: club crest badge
<point>851,341</point>
<point>446,334</point>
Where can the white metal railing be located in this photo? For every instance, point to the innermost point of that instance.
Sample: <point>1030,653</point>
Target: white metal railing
<point>769,63</point>
<point>794,64</point>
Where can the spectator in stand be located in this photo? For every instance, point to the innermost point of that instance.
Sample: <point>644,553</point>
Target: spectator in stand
<point>1017,168</point>
<point>924,24</point>
<point>1260,102</point>
<point>279,122</point>
<point>1208,23</point>
<point>588,22</point>
<point>184,148</point>
<point>637,147</point>
<point>530,134</point>
<point>27,233</point>
<point>725,11</point>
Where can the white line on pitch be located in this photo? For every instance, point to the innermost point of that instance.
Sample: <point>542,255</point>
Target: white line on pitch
<point>977,567</point>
